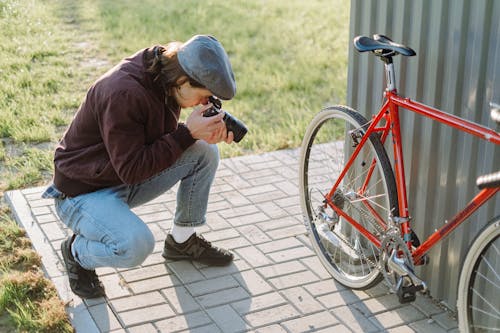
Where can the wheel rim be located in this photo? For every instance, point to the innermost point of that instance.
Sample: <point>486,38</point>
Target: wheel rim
<point>352,260</point>
<point>483,305</point>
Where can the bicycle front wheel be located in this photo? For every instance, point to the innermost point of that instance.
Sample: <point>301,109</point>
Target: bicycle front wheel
<point>478,303</point>
<point>367,194</point>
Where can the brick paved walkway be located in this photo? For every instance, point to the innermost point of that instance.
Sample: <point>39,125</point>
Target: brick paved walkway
<point>276,284</point>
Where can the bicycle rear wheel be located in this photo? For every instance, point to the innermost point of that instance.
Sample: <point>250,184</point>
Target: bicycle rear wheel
<point>478,303</point>
<point>367,194</point>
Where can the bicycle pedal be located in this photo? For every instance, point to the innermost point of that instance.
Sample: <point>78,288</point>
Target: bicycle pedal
<point>408,294</point>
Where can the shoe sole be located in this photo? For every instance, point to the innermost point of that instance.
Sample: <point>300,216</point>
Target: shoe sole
<point>166,255</point>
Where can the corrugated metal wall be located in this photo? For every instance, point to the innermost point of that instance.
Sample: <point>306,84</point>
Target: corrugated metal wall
<point>457,69</point>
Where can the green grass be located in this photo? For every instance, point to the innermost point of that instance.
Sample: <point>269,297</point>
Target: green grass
<point>28,301</point>
<point>289,59</point>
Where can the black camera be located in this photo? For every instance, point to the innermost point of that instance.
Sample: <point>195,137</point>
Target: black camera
<point>233,124</point>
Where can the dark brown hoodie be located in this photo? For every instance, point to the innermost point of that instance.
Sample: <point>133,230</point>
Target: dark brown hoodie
<point>123,133</point>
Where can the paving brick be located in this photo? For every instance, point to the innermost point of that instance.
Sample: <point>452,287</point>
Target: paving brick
<point>222,297</point>
<point>247,219</point>
<point>291,231</point>
<point>402,316</point>
<point>281,269</point>
<point>253,256</point>
<point>157,283</point>
<point>227,319</point>
<point>180,299</point>
<point>445,320</point>
<point>324,287</point>
<point>153,259</point>
<point>265,197</point>
<point>379,304</point>
<point>53,231</point>
<point>278,245</point>
<point>273,315</point>
<point>291,254</point>
<point>234,212</point>
<point>212,285</point>
<point>217,222</point>
<point>146,328</point>
<point>354,319</point>
<point>271,179</point>
<point>41,210</point>
<point>156,216</point>
<point>218,235</point>
<point>337,329</point>
<point>233,243</point>
<point>212,328</point>
<point>253,234</point>
<point>115,287</point>
<point>137,301</point>
<point>258,303</point>
<point>401,329</point>
<point>235,267</point>
<point>251,174</point>
<point>185,271</point>
<point>292,280</point>
<point>316,266</point>
<point>236,199</point>
<point>338,299</point>
<point>144,315</point>
<point>144,273</point>
<point>233,179</point>
<point>302,300</point>
<point>104,317</point>
<point>46,218</point>
<point>278,224</point>
<point>146,209</point>
<point>272,210</point>
<point>310,323</point>
<point>253,283</point>
<point>262,189</point>
<point>427,305</point>
<point>180,323</point>
<point>271,329</point>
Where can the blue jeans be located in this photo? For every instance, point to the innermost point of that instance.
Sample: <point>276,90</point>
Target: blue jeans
<point>109,234</point>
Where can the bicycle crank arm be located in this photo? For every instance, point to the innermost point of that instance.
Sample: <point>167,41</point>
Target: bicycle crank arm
<point>399,266</point>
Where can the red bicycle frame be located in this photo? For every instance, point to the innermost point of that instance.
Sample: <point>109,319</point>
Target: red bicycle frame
<point>390,113</point>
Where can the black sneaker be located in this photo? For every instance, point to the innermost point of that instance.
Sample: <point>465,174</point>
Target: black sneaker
<point>196,248</point>
<point>83,282</point>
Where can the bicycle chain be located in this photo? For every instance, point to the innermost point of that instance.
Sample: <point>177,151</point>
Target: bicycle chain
<point>379,230</point>
<point>346,242</point>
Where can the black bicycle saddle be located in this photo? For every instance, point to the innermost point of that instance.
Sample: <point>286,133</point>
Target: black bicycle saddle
<point>382,46</point>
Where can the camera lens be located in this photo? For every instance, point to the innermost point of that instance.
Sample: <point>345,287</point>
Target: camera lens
<point>234,125</point>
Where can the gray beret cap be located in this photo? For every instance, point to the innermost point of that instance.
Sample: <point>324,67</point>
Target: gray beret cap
<point>203,59</point>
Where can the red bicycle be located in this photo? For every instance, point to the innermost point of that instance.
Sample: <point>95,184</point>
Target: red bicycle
<point>356,209</point>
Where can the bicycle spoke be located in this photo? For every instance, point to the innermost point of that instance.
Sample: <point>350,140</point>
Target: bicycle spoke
<point>486,302</point>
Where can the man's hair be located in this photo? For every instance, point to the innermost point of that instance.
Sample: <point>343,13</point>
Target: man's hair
<point>166,69</point>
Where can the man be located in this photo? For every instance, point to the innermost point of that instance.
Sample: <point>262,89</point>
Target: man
<point>126,146</point>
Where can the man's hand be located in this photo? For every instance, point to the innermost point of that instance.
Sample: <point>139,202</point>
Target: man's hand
<point>210,129</point>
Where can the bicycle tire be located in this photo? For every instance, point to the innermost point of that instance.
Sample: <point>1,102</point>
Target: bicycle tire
<point>343,251</point>
<point>478,302</point>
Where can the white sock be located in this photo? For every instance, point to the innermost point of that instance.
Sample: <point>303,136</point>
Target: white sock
<point>181,234</point>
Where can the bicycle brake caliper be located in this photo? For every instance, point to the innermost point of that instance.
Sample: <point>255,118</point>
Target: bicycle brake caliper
<point>356,135</point>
